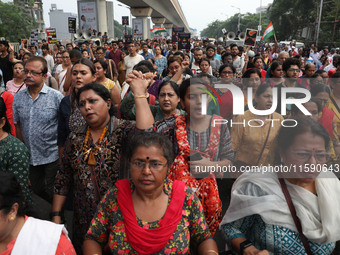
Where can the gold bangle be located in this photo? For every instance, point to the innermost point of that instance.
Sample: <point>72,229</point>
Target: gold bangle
<point>141,96</point>
<point>213,251</point>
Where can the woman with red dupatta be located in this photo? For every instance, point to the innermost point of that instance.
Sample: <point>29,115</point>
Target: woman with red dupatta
<point>149,214</point>
<point>200,142</point>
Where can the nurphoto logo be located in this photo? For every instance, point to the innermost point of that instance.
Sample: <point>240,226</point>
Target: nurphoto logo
<point>239,106</point>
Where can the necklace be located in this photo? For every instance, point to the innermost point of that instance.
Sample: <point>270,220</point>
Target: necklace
<point>90,152</point>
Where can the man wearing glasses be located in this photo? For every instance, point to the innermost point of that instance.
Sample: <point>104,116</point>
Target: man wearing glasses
<point>291,70</point>
<point>112,71</point>
<point>35,111</point>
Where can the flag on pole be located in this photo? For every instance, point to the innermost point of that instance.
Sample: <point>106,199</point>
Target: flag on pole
<point>158,30</point>
<point>268,32</point>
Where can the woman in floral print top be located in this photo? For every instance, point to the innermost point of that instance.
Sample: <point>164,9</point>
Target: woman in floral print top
<point>150,214</point>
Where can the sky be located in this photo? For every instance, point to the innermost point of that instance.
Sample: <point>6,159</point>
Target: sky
<point>199,13</point>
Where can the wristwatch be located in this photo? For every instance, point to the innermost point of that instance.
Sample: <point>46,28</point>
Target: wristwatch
<point>245,244</point>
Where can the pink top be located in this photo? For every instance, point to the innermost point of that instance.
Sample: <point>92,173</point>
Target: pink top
<point>12,88</point>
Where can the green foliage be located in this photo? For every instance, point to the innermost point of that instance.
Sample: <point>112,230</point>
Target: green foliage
<point>330,34</point>
<point>119,30</point>
<point>289,18</point>
<point>249,20</point>
<point>16,24</point>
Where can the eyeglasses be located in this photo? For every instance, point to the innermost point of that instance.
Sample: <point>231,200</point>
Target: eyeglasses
<point>305,156</point>
<point>32,73</point>
<point>66,57</point>
<point>154,165</point>
<point>294,70</point>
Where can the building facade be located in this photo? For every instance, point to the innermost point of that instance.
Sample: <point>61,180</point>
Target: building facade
<point>59,21</point>
<point>34,8</point>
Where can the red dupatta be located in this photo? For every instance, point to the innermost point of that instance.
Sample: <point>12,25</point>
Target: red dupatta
<point>205,189</point>
<point>150,241</point>
<point>326,120</point>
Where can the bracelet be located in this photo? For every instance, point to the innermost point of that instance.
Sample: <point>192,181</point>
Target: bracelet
<point>142,96</point>
<point>52,214</point>
<point>213,251</point>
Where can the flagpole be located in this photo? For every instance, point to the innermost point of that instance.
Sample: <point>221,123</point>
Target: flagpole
<point>275,37</point>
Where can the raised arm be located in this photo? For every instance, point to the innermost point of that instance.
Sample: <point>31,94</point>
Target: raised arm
<point>178,76</point>
<point>11,54</point>
<point>139,83</point>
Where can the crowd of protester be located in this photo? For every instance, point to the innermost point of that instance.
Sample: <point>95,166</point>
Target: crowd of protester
<point>120,136</point>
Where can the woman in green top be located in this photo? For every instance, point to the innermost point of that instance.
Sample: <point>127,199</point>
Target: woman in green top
<point>168,98</point>
<point>14,156</point>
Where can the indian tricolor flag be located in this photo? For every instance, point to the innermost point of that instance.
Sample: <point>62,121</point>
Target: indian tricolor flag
<point>158,30</point>
<point>268,32</point>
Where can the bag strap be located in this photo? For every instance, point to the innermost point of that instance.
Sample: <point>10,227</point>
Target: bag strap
<point>295,218</point>
<point>265,142</point>
<point>335,104</point>
<point>19,87</point>
<point>50,82</point>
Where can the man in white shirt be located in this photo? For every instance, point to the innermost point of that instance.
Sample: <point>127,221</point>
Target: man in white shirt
<point>238,62</point>
<point>132,59</point>
<point>48,57</point>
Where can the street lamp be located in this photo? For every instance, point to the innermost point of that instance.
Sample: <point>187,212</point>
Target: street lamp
<point>318,30</point>
<point>260,24</point>
<point>239,17</point>
<point>128,7</point>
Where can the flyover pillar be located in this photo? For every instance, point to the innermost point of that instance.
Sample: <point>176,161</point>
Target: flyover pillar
<point>168,27</point>
<point>158,21</point>
<point>143,13</point>
<point>102,16</point>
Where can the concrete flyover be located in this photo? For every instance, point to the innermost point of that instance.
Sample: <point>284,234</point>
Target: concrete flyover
<point>167,13</point>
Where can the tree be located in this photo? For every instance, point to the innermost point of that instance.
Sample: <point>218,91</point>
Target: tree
<point>329,27</point>
<point>16,24</point>
<point>248,20</point>
<point>289,17</point>
<point>119,29</point>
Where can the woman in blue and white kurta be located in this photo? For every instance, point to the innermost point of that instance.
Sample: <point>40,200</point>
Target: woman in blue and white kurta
<point>259,212</point>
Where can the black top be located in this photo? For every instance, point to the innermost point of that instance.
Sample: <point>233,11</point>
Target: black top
<point>7,69</point>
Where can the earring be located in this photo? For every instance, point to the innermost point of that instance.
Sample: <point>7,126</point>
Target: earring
<point>108,105</point>
<point>11,219</point>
